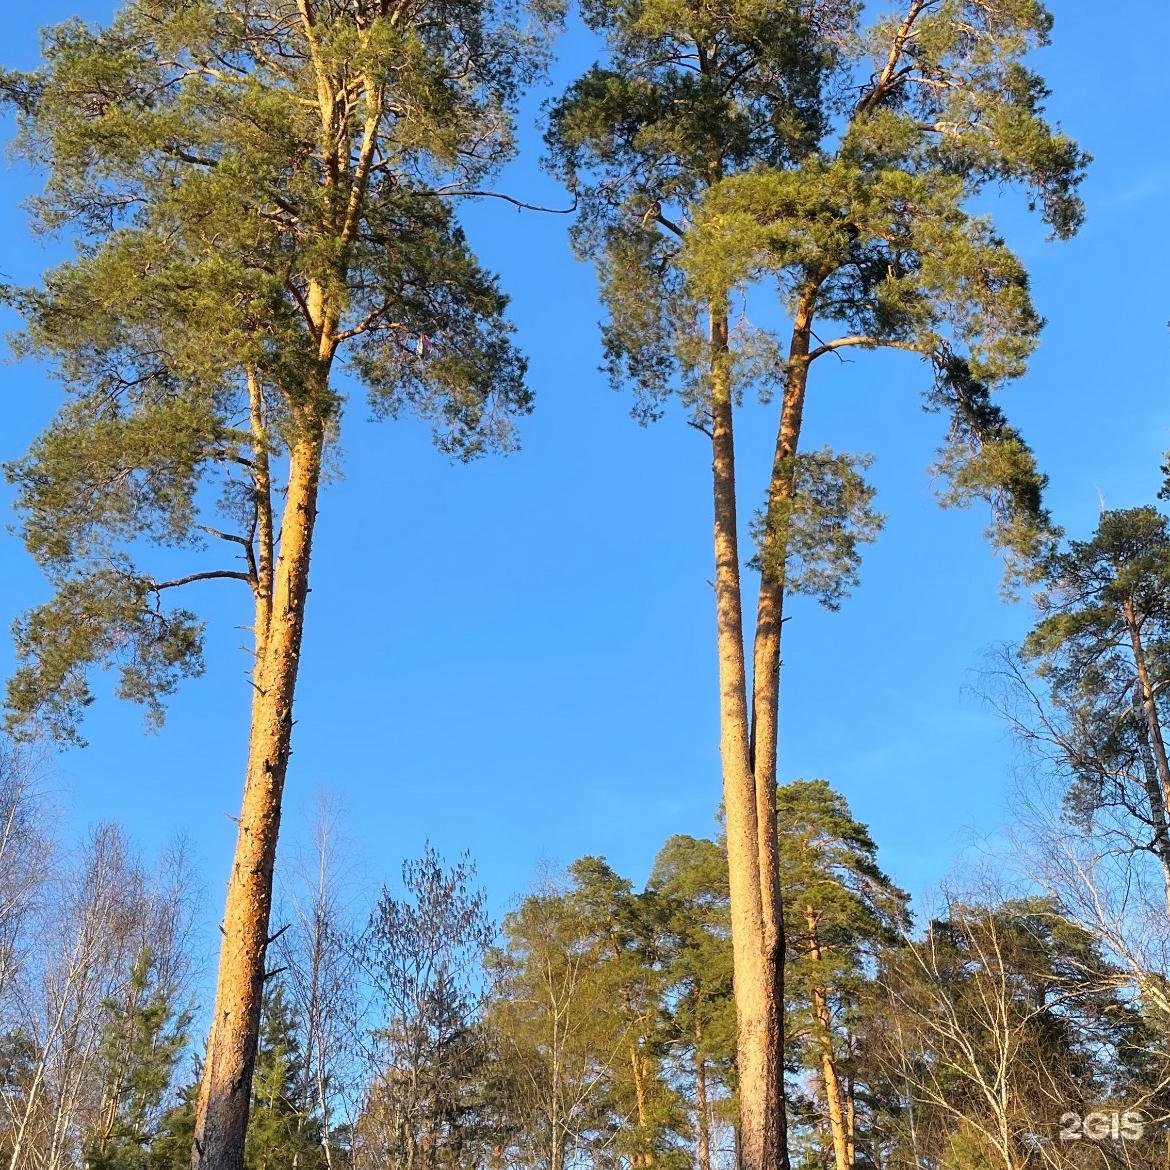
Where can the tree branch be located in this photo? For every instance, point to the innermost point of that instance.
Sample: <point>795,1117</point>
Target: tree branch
<point>868,342</point>
<point>233,537</point>
<point>519,204</point>
<point>210,575</point>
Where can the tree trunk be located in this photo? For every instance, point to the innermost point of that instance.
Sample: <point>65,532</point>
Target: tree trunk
<point>1154,743</point>
<point>749,778</point>
<point>757,1001</point>
<point>1159,823</point>
<point>702,1115</point>
<point>645,1155</point>
<point>834,1096</point>
<point>221,1120</point>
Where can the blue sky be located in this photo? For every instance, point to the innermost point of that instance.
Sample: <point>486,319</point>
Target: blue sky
<point>516,658</point>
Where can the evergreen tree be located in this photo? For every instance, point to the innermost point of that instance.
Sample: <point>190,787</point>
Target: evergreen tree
<point>1102,647</point>
<point>577,1006</point>
<point>632,928</point>
<point>282,1131</point>
<point>18,1056</point>
<point>171,1147</point>
<point>689,879</point>
<point>841,913</point>
<point>259,192</point>
<point>723,149</point>
<point>143,1038</point>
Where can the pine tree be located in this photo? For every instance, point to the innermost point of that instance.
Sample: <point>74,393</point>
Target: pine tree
<point>726,149</point>
<point>170,1148</point>
<point>260,192</point>
<point>143,1038</point>
<point>1102,648</point>
<point>283,1132</point>
<point>689,879</point>
<point>577,1006</point>
<point>842,912</point>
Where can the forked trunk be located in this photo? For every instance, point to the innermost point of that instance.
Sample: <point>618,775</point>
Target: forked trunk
<point>765,706</point>
<point>750,775</point>
<point>758,1003</point>
<point>222,1111</point>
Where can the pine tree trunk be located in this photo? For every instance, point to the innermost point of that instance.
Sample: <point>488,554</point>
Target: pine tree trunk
<point>1149,704</point>
<point>645,1154</point>
<point>757,1003</point>
<point>834,1095</point>
<point>765,717</point>
<point>702,1114</point>
<point>222,1111</point>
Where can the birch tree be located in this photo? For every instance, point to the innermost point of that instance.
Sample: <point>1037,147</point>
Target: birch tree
<point>262,193</point>
<point>1014,1029</point>
<point>108,931</point>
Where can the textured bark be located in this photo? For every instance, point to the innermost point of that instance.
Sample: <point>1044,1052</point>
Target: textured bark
<point>749,754</point>
<point>759,1030</point>
<point>281,584</point>
<point>222,1109</point>
<point>645,1156</point>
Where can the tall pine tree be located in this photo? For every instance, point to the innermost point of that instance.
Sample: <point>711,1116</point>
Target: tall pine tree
<point>724,149</point>
<point>261,193</point>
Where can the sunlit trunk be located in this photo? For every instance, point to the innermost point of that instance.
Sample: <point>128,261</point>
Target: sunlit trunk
<point>839,1124</point>
<point>222,1110</point>
<point>702,1114</point>
<point>757,1003</point>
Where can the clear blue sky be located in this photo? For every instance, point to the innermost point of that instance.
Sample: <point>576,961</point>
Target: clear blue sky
<point>515,658</point>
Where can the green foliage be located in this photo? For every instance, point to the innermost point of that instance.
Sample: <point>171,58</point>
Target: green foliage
<point>689,878</point>
<point>829,864</point>
<point>283,1130</point>
<point>171,1147</point>
<point>1105,601</point>
<point>577,1005</point>
<point>109,616</point>
<point>842,913</point>
<point>143,1038</point>
<point>18,1059</point>
<point>817,529</point>
<point>985,458</point>
<point>231,226</point>
<point>725,148</point>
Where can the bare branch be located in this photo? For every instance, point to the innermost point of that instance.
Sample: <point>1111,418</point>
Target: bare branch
<point>867,342</point>
<point>210,575</point>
